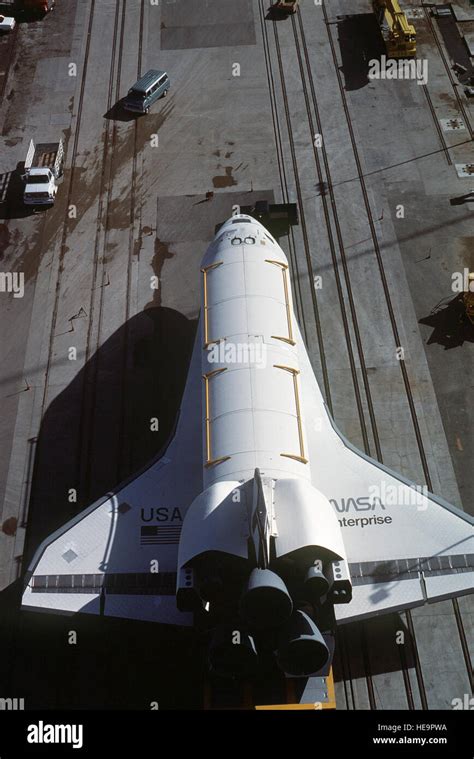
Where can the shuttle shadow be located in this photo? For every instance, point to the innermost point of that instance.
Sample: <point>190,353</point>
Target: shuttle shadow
<point>95,435</point>
<point>360,42</point>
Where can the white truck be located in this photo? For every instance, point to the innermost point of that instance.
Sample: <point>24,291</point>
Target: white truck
<point>43,168</point>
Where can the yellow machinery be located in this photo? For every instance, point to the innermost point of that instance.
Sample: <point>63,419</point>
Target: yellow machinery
<point>468,298</point>
<point>399,36</point>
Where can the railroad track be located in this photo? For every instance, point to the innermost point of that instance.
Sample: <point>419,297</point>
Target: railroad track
<point>442,140</point>
<point>91,359</point>
<point>316,127</point>
<point>282,173</point>
<point>96,313</point>
<point>285,192</point>
<point>123,462</point>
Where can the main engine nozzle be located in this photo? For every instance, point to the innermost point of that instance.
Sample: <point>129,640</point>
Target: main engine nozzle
<point>266,601</point>
<point>316,583</point>
<point>232,652</point>
<point>302,649</point>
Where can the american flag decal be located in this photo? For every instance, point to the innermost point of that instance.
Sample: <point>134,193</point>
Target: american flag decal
<point>160,535</point>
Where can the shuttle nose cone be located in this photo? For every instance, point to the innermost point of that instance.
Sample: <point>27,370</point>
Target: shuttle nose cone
<point>266,601</point>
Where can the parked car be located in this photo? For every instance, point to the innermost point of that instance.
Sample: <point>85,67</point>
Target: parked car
<point>43,168</point>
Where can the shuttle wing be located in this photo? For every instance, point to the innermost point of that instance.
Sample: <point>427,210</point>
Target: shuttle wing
<point>119,556</point>
<point>404,546</point>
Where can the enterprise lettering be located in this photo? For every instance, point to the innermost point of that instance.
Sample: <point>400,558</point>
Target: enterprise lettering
<point>364,521</point>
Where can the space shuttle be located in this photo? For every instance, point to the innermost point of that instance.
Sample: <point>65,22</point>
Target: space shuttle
<point>260,525</point>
